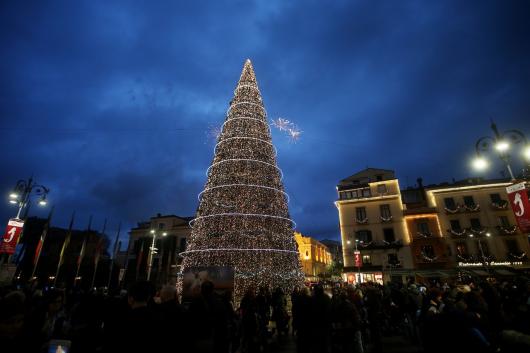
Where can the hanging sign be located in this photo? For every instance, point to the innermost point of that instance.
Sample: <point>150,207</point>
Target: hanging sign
<point>520,205</point>
<point>10,240</point>
<point>358,261</point>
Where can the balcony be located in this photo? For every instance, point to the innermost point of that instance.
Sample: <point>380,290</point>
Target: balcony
<point>361,221</point>
<point>502,205</point>
<point>380,245</point>
<point>463,209</point>
<point>507,230</point>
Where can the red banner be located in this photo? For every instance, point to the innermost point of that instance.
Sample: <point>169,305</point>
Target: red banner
<point>520,205</point>
<point>358,260</point>
<point>13,230</point>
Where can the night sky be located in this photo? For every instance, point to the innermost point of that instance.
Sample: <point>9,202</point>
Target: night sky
<point>110,103</point>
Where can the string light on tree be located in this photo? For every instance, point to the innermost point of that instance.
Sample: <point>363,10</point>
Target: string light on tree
<point>243,219</point>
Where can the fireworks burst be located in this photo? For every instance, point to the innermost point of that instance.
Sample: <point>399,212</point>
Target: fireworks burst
<point>285,125</point>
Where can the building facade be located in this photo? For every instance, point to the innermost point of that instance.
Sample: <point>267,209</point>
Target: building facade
<point>314,256</point>
<point>166,259</point>
<point>479,226</point>
<point>438,231</point>
<point>371,223</point>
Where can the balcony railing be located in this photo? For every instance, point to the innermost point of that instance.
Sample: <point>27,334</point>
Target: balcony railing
<point>499,206</point>
<point>463,209</point>
<point>507,230</point>
<point>362,221</point>
<point>374,245</point>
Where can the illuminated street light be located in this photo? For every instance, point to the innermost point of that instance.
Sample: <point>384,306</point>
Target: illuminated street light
<point>22,192</point>
<point>13,195</point>
<point>502,146</point>
<point>501,143</point>
<point>152,251</point>
<point>480,163</point>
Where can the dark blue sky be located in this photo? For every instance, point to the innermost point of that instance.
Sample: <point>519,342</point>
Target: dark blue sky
<point>109,103</point>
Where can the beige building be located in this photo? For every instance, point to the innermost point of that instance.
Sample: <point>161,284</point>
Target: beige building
<point>371,222</point>
<point>314,256</point>
<point>479,226</point>
<point>172,234</point>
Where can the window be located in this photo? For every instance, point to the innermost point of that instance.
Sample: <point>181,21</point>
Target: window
<point>461,249</point>
<point>392,259</point>
<point>455,225</point>
<point>428,251</point>
<point>388,234</point>
<point>475,223</point>
<point>495,198</point>
<point>348,194</point>
<point>450,203</point>
<point>381,189</point>
<point>367,260</point>
<point>364,235</point>
<point>504,221</point>
<point>469,202</point>
<point>379,177</point>
<point>360,213</point>
<point>385,211</point>
<point>423,227</point>
<point>511,246</point>
<point>161,225</point>
<point>307,254</point>
<point>182,244</point>
<point>366,193</point>
<point>342,195</point>
<point>354,194</point>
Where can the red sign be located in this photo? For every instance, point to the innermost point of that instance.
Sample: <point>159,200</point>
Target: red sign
<point>520,205</point>
<point>13,230</point>
<point>358,261</point>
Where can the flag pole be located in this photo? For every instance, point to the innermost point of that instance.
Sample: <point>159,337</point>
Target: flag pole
<point>82,253</point>
<point>115,250</point>
<point>63,249</point>
<point>98,250</point>
<point>40,244</point>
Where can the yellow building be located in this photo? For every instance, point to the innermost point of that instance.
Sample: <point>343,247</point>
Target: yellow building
<point>371,222</point>
<point>479,226</point>
<point>314,256</point>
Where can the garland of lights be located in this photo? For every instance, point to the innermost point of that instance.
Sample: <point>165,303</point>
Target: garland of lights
<point>427,258</point>
<point>386,219</point>
<point>499,205</point>
<point>512,230</point>
<point>457,233</point>
<point>475,208</point>
<point>361,221</point>
<point>243,219</point>
<point>452,211</point>
<point>518,257</point>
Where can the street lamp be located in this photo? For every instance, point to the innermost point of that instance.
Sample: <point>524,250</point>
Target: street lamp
<point>152,251</point>
<point>482,250</point>
<point>22,191</point>
<point>501,143</point>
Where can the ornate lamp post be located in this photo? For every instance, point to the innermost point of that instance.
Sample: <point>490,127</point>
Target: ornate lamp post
<point>22,191</point>
<point>500,143</point>
<point>152,252</point>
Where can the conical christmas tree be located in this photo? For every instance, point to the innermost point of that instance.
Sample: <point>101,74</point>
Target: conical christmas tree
<point>243,219</point>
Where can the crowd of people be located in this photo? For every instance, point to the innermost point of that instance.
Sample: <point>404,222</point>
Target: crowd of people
<point>477,316</point>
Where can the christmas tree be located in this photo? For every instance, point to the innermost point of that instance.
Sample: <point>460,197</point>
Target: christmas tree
<point>243,220</point>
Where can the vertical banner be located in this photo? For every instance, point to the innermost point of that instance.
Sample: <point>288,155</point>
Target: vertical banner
<point>13,230</point>
<point>358,261</point>
<point>518,197</point>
